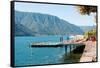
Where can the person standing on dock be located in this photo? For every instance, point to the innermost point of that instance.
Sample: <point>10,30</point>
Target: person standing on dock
<point>61,39</point>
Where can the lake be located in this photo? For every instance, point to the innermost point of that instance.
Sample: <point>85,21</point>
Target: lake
<point>25,55</point>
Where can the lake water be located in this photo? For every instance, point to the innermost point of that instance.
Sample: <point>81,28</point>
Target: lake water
<point>25,55</point>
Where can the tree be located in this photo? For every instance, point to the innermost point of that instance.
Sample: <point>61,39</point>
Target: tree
<point>87,10</point>
<point>91,33</point>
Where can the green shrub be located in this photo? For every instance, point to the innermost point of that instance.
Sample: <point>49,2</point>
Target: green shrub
<point>90,33</point>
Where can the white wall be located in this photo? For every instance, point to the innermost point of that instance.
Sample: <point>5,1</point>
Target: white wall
<point>5,34</point>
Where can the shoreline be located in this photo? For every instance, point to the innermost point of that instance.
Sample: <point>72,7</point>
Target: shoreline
<point>89,53</point>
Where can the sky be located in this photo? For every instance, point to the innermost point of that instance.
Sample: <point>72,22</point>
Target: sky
<point>66,12</point>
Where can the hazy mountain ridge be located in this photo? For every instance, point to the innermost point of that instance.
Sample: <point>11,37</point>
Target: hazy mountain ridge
<point>28,23</point>
<point>87,28</point>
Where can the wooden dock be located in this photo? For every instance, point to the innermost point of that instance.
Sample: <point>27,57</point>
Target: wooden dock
<point>66,44</point>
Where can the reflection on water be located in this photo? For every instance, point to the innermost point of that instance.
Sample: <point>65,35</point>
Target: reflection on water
<point>24,55</point>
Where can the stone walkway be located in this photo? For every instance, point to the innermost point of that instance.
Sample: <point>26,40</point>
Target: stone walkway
<point>89,53</point>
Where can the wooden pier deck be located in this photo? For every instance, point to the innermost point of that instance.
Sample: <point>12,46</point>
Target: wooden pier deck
<point>65,43</point>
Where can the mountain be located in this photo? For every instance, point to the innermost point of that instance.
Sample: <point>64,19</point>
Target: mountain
<point>87,28</point>
<point>22,30</point>
<point>35,24</point>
